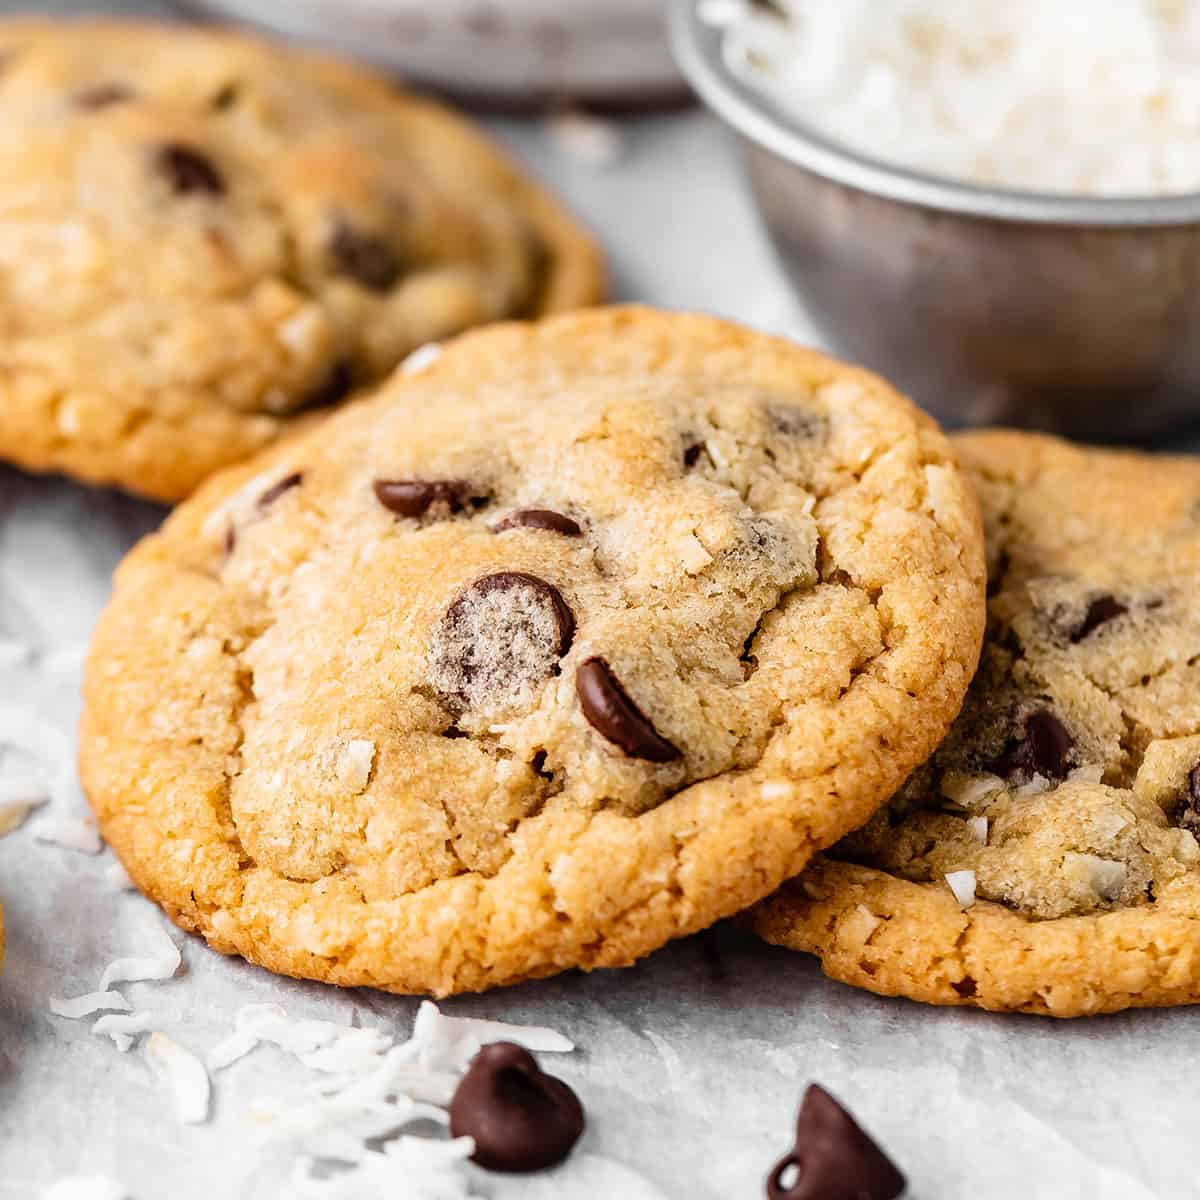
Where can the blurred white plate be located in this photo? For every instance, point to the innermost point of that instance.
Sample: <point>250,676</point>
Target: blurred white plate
<point>516,51</point>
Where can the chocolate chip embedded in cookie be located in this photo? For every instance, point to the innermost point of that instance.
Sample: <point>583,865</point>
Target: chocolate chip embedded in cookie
<point>503,636</point>
<point>489,683</point>
<point>254,232</point>
<point>1045,860</point>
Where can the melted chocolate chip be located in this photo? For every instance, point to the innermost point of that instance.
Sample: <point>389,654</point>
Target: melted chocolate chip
<point>364,257</point>
<point>502,636</point>
<point>614,715</point>
<point>188,171</point>
<point>1189,816</point>
<point>539,518</point>
<point>833,1158</point>
<point>103,95</point>
<point>1043,748</point>
<point>336,386</point>
<point>415,497</point>
<point>277,489</point>
<point>521,1118</point>
<point>1100,612</point>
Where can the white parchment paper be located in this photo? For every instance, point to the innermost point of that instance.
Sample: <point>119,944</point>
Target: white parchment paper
<point>691,1065</point>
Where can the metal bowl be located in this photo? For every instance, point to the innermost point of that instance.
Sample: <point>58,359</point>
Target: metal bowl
<point>1073,314</point>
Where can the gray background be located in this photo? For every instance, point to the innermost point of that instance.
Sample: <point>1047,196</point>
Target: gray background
<point>691,1064</point>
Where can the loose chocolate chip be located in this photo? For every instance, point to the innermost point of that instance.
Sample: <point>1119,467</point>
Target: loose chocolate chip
<point>833,1158</point>
<point>1100,612</point>
<point>1043,748</point>
<point>188,171</point>
<point>336,386</point>
<point>539,518</point>
<point>1189,817</point>
<point>501,637</point>
<point>415,497</point>
<point>614,715</point>
<point>520,1118</point>
<point>103,95</point>
<point>277,489</point>
<point>364,257</point>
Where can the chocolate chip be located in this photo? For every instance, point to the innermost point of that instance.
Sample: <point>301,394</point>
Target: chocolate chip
<point>1189,817</point>
<point>502,636</point>
<point>520,1118</point>
<point>364,257</point>
<point>226,97</point>
<point>796,422</point>
<point>833,1158</point>
<point>691,454</point>
<point>415,497</point>
<point>1100,612</point>
<point>188,171</point>
<point>539,518</point>
<point>1043,748</point>
<point>336,386</point>
<point>614,715</point>
<point>103,95</point>
<point>277,489</point>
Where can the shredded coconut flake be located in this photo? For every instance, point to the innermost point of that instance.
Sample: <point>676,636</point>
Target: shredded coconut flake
<point>123,1029</point>
<point>162,965</point>
<point>969,791</point>
<point>979,829</point>
<point>70,833</point>
<point>962,884</point>
<point>85,1187</point>
<point>420,358</point>
<point>78,1007</point>
<point>354,765</point>
<point>14,813</point>
<point>185,1074</point>
<point>586,139</point>
<point>449,1043</point>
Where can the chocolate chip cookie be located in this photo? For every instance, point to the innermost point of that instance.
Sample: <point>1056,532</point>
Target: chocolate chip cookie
<point>205,239</point>
<point>1045,859</point>
<point>578,638</point>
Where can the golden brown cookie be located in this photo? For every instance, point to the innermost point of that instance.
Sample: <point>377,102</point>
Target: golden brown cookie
<point>576,640</point>
<point>1045,859</point>
<point>206,238</point>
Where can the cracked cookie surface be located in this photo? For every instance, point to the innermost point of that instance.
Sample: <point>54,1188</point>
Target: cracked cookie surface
<point>206,238</point>
<point>577,639</point>
<point>1063,804</point>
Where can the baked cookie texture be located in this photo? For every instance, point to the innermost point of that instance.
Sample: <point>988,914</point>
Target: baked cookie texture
<point>206,238</point>
<point>578,639</point>
<point>1069,787</point>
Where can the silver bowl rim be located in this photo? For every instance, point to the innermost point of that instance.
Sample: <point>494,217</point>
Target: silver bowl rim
<point>697,49</point>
